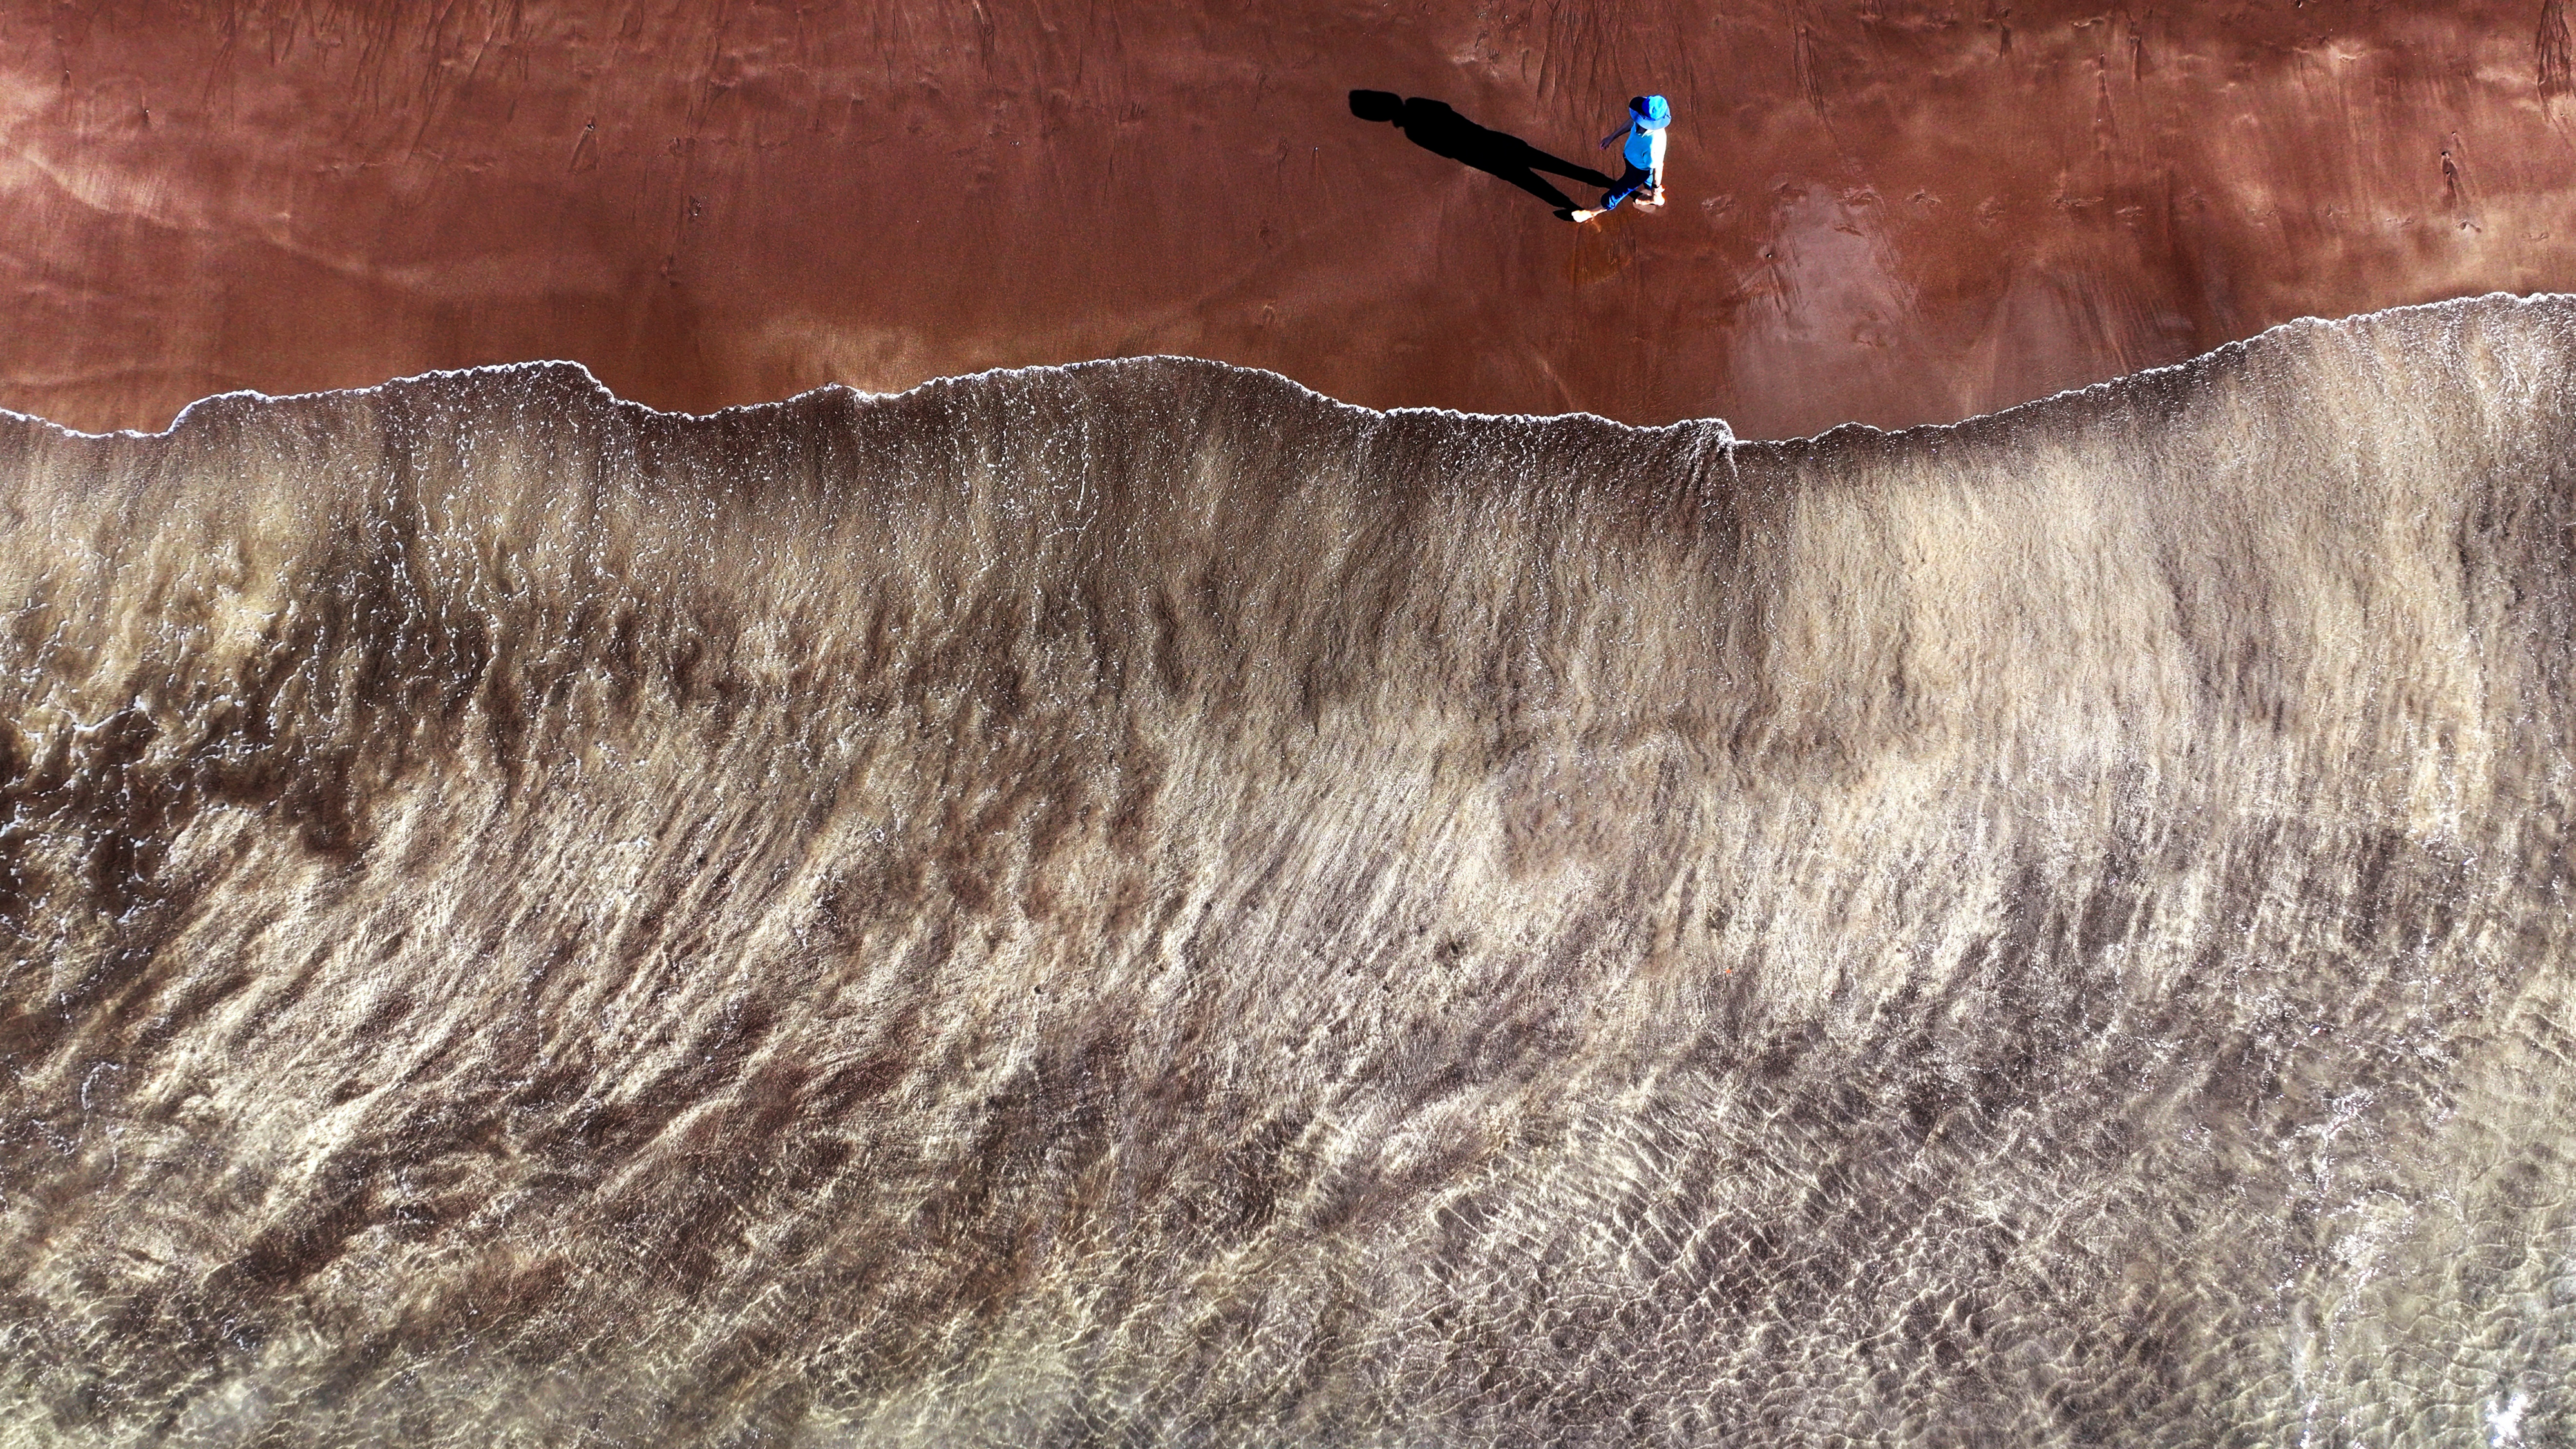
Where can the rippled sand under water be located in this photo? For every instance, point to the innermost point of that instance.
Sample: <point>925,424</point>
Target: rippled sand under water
<point>1134,904</point>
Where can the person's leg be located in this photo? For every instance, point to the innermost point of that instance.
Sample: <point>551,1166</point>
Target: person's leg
<point>1629,185</point>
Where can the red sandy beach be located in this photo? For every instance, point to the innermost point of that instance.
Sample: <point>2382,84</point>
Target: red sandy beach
<point>1885,211</point>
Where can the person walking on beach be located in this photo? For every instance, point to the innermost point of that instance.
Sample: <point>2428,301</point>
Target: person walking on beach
<point>1648,116</point>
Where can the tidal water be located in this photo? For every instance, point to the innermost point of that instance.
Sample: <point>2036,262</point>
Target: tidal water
<point>1134,904</point>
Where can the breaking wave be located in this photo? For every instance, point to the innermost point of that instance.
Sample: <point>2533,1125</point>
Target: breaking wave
<point>1136,904</point>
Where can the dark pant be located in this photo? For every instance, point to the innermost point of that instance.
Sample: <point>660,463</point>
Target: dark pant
<point>1629,185</point>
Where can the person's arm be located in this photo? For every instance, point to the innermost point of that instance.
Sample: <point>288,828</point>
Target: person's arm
<point>1613,136</point>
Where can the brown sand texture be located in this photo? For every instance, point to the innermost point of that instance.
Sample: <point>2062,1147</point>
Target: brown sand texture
<point>1135,904</point>
<point>1888,211</point>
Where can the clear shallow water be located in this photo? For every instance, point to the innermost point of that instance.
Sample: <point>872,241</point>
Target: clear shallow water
<point>1135,904</point>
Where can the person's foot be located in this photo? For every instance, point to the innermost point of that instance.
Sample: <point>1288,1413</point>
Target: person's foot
<point>1579,216</point>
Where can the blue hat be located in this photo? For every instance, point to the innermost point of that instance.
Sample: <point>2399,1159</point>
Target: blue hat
<point>1654,111</point>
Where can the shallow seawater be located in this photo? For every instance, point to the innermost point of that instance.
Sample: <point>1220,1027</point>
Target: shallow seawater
<point>1136,904</point>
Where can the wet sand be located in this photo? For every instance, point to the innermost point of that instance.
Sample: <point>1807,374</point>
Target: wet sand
<point>1882,211</point>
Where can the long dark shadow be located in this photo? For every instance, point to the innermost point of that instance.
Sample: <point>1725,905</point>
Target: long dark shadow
<point>1437,128</point>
